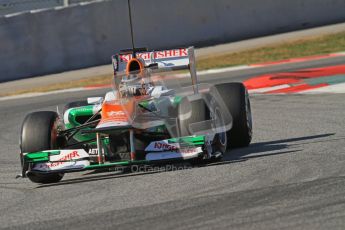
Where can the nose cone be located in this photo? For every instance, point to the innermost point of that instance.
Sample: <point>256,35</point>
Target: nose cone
<point>115,114</point>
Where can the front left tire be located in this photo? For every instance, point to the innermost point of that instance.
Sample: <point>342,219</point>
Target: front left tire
<point>40,132</point>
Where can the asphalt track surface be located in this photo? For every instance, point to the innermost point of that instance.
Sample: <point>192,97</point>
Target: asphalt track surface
<point>291,177</point>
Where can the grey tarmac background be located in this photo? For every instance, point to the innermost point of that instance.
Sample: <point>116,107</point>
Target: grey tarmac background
<point>291,177</point>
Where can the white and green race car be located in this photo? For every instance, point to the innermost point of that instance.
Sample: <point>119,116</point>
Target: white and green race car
<point>152,116</point>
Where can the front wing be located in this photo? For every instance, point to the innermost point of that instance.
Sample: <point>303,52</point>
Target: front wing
<point>73,160</point>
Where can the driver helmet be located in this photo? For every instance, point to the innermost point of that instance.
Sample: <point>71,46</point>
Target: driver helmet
<point>135,84</point>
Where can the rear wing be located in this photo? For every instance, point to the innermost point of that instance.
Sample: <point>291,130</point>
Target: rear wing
<point>162,60</point>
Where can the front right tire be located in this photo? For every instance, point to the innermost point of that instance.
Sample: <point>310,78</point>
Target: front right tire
<point>197,111</point>
<point>236,99</point>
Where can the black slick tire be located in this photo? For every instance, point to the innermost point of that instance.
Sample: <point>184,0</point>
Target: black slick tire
<point>38,133</point>
<point>235,97</point>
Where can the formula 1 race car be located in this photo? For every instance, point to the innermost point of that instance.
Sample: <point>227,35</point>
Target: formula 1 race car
<point>152,116</point>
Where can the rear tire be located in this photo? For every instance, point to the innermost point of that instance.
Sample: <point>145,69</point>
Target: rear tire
<point>236,98</point>
<point>38,133</point>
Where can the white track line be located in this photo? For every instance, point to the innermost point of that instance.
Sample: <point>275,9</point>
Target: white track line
<point>331,89</point>
<point>223,70</point>
<point>26,95</point>
<point>337,88</point>
<point>267,89</point>
<point>216,71</point>
<point>205,72</point>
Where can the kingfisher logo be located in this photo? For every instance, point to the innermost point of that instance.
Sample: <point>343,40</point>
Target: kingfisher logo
<point>157,54</point>
<point>68,157</point>
<point>165,146</point>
